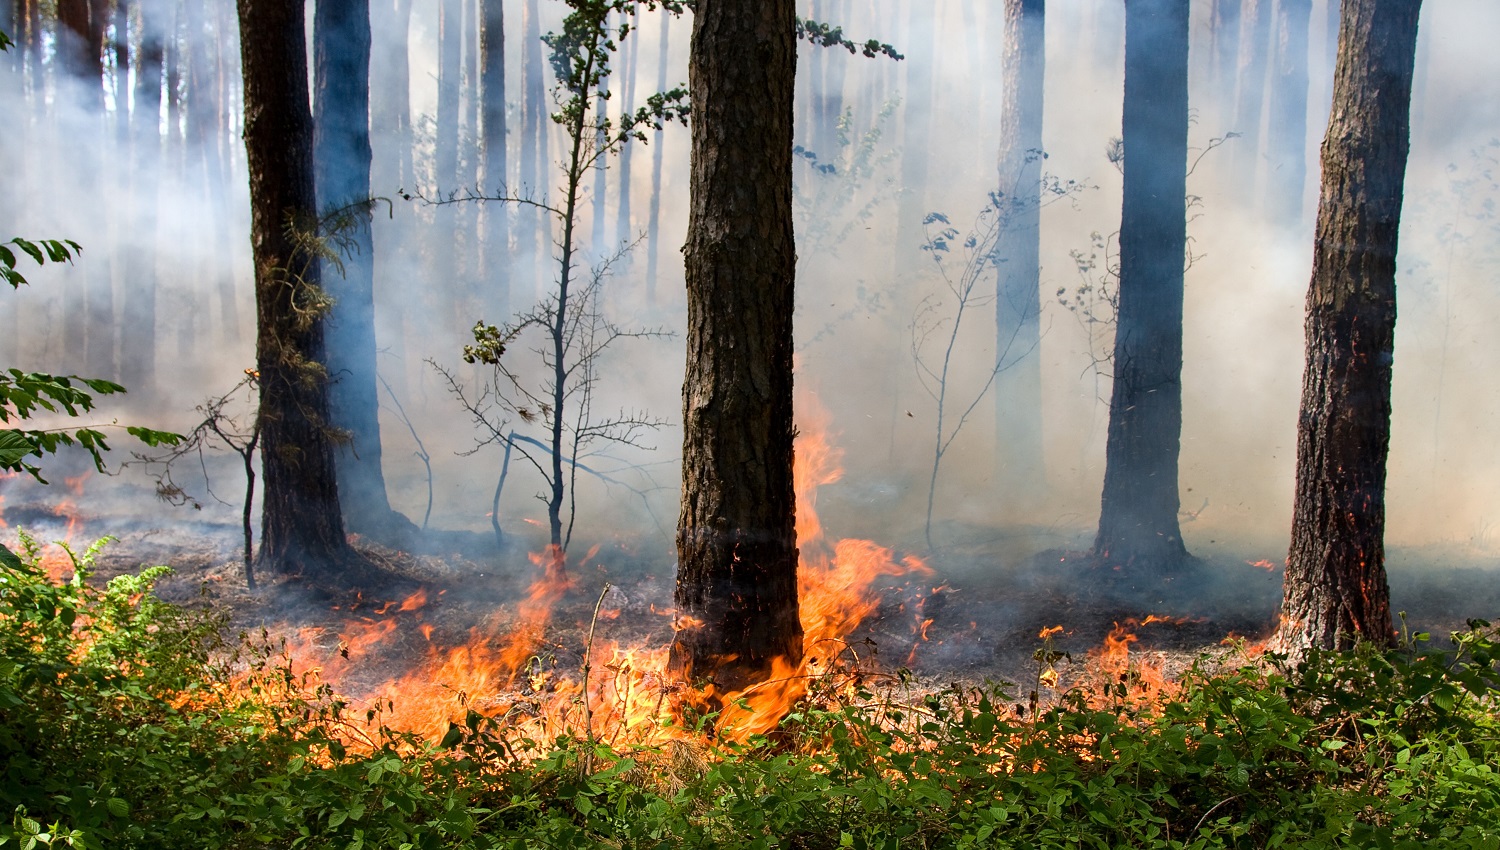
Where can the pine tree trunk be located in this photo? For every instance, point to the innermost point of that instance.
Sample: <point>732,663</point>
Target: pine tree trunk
<point>736,538</point>
<point>301,522</point>
<point>1021,473</point>
<point>1336,592</point>
<point>496,301</point>
<point>391,173</point>
<point>1255,41</point>
<point>534,239</point>
<point>653,233</point>
<point>138,347</point>
<point>442,250</point>
<point>341,157</point>
<point>629,49</point>
<point>1288,126</point>
<point>1138,512</point>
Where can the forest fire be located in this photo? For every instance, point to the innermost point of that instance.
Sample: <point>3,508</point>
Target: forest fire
<point>506,667</point>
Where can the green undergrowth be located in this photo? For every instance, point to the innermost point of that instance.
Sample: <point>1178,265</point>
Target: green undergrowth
<point>124,723</point>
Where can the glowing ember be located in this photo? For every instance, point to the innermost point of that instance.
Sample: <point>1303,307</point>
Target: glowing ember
<point>1262,564</point>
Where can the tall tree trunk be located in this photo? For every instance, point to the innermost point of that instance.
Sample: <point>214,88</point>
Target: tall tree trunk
<point>653,233</point>
<point>629,49</point>
<point>1255,42</point>
<point>390,171</point>
<point>496,301</point>
<point>602,238</point>
<point>1226,36</point>
<point>442,249</point>
<point>736,537</point>
<point>86,324</point>
<point>1335,591</point>
<point>301,523</point>
<point>341,157</point>
<point>138,347</point>
<point>917,104</point>
<point>1288,137</point>
<point>1138,511</point>
<point>534,240</point>
<point>1021,474</point>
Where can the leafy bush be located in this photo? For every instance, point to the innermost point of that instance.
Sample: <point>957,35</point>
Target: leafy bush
<point>122,727</point>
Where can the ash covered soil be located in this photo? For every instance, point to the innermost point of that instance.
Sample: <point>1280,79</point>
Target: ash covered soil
<point>977,617</point>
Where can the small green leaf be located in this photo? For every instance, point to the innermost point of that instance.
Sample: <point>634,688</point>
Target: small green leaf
<point>117,807</point>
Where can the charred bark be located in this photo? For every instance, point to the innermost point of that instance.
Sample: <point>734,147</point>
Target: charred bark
<point>1138,523</point>
<point>1336,592</point>
<point>342,158</point>
<point>736,537</point>
<point>1020,473</point>
<point>301,522</point>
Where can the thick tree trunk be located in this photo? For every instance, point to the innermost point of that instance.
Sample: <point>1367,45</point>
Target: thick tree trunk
<point>341,156</point>
<point>1138,513</point>
<point>653,232</point>
<point>1335,592</point>
<point>138,347</point>
<point>301,523</point>
<point>496,266</point>
<point>1288,128</point>
<point>1020,472</point>
<point>736,537</point>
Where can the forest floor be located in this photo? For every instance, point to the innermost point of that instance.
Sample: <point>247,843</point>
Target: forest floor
<point>977,617</point>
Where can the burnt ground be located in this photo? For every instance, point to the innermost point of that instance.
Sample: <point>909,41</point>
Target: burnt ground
<point>986,602</point>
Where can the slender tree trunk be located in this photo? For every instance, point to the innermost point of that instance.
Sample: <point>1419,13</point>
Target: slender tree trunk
<point>736,538</point>
<point>534,241</point>
<point>301,522</point>
<point>390,173</point>
<point>341,157</point>
<point>1335,590</point>
<point>86,325</point>
<point>1288,137</point>
<point>629,48</point>
<point>1226,39</point>
<point>603,240</point>
<point>1255,42</point>
<point>653,235</point>
<point>1021,473</point>
<point>917,103</point>
<point>496,302</point>
<point>442,247</point>
<point>138,347</point>
<point>1138,512</point>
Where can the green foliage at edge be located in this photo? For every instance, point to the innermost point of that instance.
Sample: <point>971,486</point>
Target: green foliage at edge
<point>119,730</point>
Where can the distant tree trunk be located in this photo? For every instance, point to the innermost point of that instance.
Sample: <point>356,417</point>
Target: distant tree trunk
<point>1021,473</point>
<point>1255,41</point>
<point>496,301</point>
<point>736,538</point>
<point>391,170</point>
<point>653,234</point>
<point>1138,512</point>
<point>138,347</point>
<point>1288,137</point>
<point>1335,592</point>
<point>629,50</point>
<point>915,144</point>
<point>88,321</point>
<point>341,158</point>
<point>602,238</point>
<point>1226,36</point>
<point>441,245</point>
<point>301,522</point>
<point>534,240</point>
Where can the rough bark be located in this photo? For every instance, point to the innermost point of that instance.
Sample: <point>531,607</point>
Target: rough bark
<point>1288,127</point>
<point>736,538</point>
<point>496,243</point>
<point>301,522</point>
<point>341,157</point>
<point>1335,592</point>
<point>1020,472</point>
<point>1138,523</point>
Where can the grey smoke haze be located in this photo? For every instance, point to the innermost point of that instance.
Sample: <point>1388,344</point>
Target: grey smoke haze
<point>1243,336</point>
